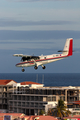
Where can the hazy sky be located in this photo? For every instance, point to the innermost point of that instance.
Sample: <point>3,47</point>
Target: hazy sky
<point>39,27</point>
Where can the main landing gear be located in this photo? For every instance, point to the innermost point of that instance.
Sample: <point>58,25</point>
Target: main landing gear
<point>43,67</point>
<point>35,67</point>
<point>23,69</point>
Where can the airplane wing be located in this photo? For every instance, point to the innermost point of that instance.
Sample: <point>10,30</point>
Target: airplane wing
<point>26,56</point>
<point>21,55</point>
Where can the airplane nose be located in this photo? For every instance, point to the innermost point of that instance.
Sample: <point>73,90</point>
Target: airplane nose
<point>16,65</point>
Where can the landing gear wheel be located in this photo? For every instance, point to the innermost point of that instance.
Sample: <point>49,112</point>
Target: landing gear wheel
<point>35,67</point>
<point>23,69</point>
<point>43,67</point>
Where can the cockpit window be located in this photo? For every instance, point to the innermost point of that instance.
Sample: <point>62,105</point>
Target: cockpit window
<point>25,58</point>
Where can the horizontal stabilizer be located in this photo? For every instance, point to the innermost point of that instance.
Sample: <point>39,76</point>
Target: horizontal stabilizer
<point>62,51</point>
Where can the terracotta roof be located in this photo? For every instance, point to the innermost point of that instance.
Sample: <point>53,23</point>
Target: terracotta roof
<point>42,118</point>
<point>21,115</point>
<point>1,118</point>
<point>47,118</point>
<point>13,114</point>
<point>29,82</point>
<point>5,82</point>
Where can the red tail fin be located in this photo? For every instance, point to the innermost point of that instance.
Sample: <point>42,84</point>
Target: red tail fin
<point>70,48</point>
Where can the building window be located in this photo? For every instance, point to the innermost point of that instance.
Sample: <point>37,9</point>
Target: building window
<point>44,99</point>
<point>49,99</point>
<point>62,98</point>
<point>54,98</point>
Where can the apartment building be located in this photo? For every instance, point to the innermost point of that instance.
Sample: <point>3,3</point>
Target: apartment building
<point>5,93</point>
<point>31,97</point>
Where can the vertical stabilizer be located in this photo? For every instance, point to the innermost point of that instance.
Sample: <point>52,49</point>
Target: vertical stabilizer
<point>68,48</point>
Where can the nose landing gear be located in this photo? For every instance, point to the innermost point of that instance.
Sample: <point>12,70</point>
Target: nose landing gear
<point>23,69</point>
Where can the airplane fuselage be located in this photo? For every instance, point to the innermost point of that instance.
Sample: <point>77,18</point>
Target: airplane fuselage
<point>41,61</point>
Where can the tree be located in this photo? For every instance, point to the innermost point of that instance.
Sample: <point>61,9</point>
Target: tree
<point>50,112</point>
<point>41,112</point>
<point>61,109</point>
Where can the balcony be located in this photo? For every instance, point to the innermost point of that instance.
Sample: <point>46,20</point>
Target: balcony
<point>73,94</point>
<point>75,110</point>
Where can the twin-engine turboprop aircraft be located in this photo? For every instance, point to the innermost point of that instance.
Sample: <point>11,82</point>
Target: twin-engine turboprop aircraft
<point>29,61</point>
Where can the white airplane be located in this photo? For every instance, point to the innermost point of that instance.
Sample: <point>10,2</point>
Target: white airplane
<point>28,61</point>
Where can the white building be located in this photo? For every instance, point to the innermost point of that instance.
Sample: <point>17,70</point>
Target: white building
<point>31,97</point>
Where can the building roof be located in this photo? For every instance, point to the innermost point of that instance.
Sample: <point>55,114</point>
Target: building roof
<point>40,117</point>
<point>47,118</point>
<point>13,114</point>
<point>5,82</point>
<point>29,82</point>
<point>21,115</point>
<point>1,118</point>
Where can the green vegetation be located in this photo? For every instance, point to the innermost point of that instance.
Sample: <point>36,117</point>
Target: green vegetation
<point>60,110</point>
<point>41,112</point>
